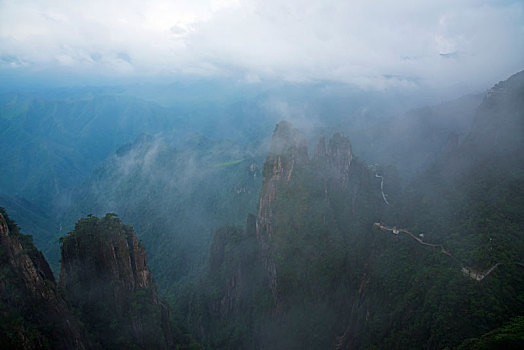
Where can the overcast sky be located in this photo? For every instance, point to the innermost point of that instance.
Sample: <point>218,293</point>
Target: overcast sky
<point>373,44</point>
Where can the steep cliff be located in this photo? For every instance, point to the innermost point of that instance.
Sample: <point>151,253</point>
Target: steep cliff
<point>287,153</point>
<point>231,293</point>
<point>474,193</point>
<point>470,201</point>
<point>33,315</point>
<point>496,138</point>
<point>175,197</point>
<point>286,281</point>
<point>104,274</point>
<point>498,126</point>
<point>319,276</point>
<point>319,204</point>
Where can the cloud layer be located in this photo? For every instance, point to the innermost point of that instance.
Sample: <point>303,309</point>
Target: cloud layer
<point>367,43</point>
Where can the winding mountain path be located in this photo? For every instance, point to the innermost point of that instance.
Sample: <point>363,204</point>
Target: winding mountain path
<point>382,187</point>
<point>467,271</point>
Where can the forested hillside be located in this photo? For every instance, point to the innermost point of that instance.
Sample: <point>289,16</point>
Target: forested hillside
<point>106,297</point>
<point>176,198</point>
<point>302,174</point>
<point>56,141</point>
<point>326,276</point>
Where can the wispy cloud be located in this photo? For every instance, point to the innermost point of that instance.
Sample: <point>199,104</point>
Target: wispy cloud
<point>370,44</point>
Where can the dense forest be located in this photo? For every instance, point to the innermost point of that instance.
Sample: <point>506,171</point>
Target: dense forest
<point>329,273</point>
<point>296,243</point>
<point>261,174</point>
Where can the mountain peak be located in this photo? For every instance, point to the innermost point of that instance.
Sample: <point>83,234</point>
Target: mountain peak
<point>29,298</point>
<point>287,140</point>
<point>339,152</point>
<point>104,272</point>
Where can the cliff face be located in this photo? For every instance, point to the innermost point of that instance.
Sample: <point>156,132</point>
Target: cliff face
<point>234,277</point>
<point>499,122</point>
<point>229,266</point>
<point>206,179</point>
<point>340,157</point>
<point>309,209</point>
<point>323,278</point>
<point>104,273</point>
<point>286,280</point>
<point>496,138</point>
<point>287,153</point>
<point>33,315</point>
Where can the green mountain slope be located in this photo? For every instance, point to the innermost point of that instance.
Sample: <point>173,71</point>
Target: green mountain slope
<point>325,276</point>
<point>33,313</point>
<point>50,144</point>
<point>175,198</point>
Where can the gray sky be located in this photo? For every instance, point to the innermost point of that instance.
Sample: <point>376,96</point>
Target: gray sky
<point>373,44</point>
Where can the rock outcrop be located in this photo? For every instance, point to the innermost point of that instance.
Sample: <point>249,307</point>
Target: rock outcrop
<point>295,187</point>
<point>288,151</point>
<point>340,157</point>
<point>33,315</point>
<point>496,138</point>
<point>225,295</point>
<point>323,278</point>
<point>232,267</point>
<point>499,121</point>
<point>104,273</point>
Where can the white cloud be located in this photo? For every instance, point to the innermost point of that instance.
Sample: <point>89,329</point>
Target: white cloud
<point>368,43</point>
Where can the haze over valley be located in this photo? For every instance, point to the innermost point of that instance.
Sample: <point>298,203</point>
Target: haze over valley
<point>241,174</point>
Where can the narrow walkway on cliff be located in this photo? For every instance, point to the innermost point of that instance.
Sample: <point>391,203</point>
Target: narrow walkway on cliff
<point>382,187</point>
<point>467,271</point>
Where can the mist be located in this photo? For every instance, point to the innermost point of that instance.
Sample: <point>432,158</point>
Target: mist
<point>267,175</point>
<point>397,44</point>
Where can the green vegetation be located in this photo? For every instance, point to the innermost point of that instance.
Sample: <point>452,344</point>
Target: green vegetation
<point>104,275</point>
<point>233,162</point>
<point>510,336</point>
<point>174,198</point>
<point>311,270</point>
<point>30,314</point>
<point>325,278</point>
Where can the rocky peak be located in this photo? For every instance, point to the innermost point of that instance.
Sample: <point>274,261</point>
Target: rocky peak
<point>287,157</point>
<point>26,259</point>
<point>104,272</point>
<point>36,314</point>
<point>339,154</point>
<point>499,121</point>
<point>287,140</point>
<point>508,86</point>
<point>496,135</point>
<point>109,252</point>
<point>288,151</point>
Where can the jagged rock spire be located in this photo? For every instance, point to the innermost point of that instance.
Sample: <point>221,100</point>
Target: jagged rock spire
<point>339,153</point>
<point>288,154</point>
<point>105,274</point>
<point>288,150</point>
<point>28,290</point>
